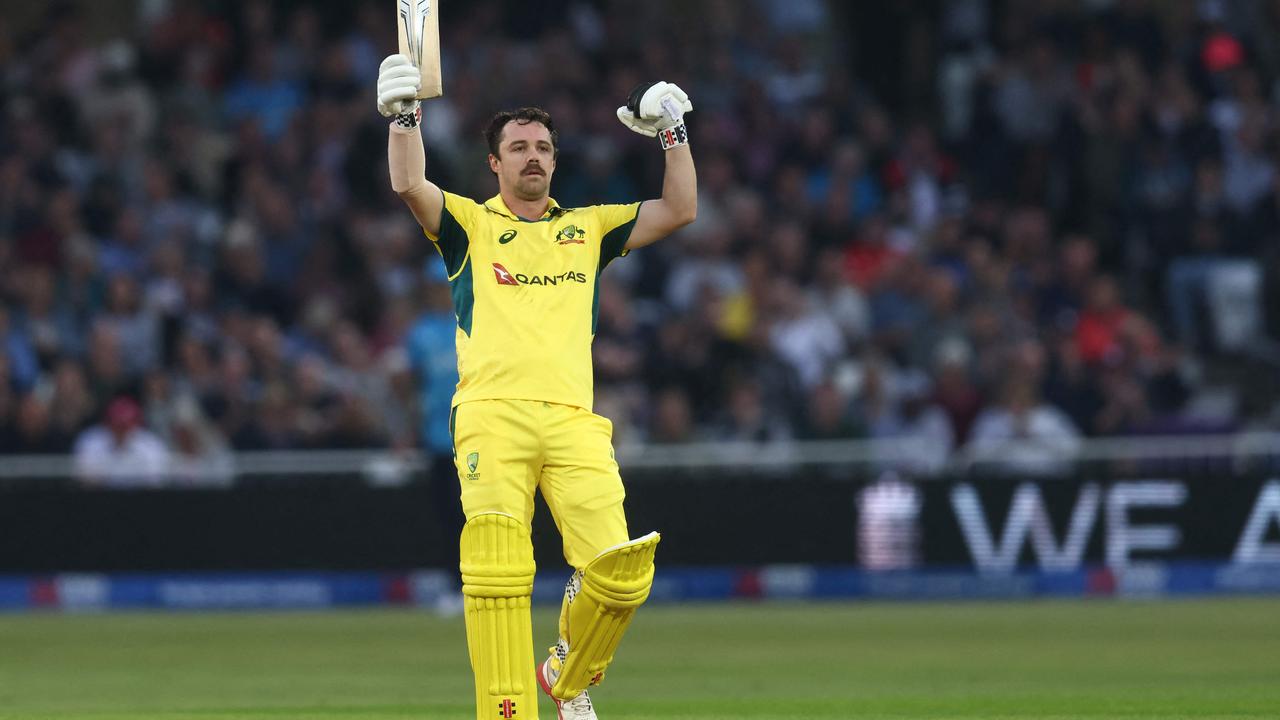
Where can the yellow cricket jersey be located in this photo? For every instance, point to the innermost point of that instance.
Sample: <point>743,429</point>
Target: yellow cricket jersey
<point>526,295</point>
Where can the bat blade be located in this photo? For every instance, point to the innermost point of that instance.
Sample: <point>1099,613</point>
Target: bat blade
<point>419,36</point>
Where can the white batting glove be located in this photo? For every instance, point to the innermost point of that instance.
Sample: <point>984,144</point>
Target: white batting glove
<point>398,83</point>
<point>644,127</point>
<point>657,110</point>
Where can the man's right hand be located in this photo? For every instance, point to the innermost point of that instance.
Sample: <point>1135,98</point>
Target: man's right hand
<point>398,83</point>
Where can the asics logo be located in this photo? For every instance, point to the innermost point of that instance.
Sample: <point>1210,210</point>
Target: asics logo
<point>506,237</point>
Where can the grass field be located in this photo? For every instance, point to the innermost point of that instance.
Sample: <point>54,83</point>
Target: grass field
<point>1179,659</point>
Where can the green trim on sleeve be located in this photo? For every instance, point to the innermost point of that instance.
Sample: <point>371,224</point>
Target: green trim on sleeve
<point>464,295</point>
<point>595,303</point>
<point>614,243</point>
<point>453,242</point>
<point>453,428</point>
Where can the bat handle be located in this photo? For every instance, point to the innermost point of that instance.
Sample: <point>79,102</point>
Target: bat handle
<point>669,104</point>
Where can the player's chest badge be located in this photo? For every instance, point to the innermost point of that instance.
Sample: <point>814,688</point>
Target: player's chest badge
<point>571,235</point>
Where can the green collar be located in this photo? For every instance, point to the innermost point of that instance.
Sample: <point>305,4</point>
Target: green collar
<point>496,204</point>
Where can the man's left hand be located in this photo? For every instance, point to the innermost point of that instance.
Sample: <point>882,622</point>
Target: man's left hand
<point>653,107</point>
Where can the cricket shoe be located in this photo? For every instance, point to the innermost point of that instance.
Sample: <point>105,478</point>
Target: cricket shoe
<point>578,708</point>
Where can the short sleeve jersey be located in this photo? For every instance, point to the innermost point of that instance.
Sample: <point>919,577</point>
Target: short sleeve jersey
<point>526,295</point>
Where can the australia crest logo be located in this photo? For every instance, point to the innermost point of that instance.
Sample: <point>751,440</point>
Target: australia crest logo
<point>571,235</point>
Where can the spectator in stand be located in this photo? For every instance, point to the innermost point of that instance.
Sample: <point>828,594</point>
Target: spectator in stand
<point>941,321</point>
<point>107,373</point>
<point>1101,322</point>
<point>72,407</point>
<point>869,258</point>
<point>875,404</point>
<point>710,266</point>
<point>32,431</point>
<point>899,305</point>
<point>672,420</point>
<point>277,424</point>
<point>801,335</point>
<point>618,350</point>
<point>200,455</point>
<point>829,415</point>
<point>434,364</point>
<point>1125,410</point>
<point>21,363</point>
<point>1062,295</point>
<point>262,94</point>
<point>8,401</point>
<point>136,328</point>
<point>1023,435</point>
<point>121,452</point>
<point>923,434</point>
<point>745,418</point>
<point>124,253</point>
<point>838,299</point>
<point>954,391</point>
<point>52,326</point>
<point>1073,386</point>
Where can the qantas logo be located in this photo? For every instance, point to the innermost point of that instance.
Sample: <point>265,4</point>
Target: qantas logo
<point>506,277</point>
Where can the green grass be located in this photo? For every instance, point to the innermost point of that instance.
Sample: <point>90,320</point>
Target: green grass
<point>1178,659</point>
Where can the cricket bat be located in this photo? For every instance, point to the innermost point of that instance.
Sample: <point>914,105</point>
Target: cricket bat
<point>419,31</point>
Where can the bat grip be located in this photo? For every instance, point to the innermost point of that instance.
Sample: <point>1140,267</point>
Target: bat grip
<point>668,103</point>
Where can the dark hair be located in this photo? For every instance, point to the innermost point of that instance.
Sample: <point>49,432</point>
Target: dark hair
<point>523,116</point>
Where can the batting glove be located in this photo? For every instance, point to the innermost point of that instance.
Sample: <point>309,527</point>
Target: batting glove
<point>398,83</point>
<point>657,110</point>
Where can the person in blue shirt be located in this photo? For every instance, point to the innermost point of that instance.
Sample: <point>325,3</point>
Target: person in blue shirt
<point>433,359</point>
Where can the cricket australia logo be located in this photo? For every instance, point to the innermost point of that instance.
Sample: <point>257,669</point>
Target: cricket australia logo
<point>571,235</point>
<point>473,462</point>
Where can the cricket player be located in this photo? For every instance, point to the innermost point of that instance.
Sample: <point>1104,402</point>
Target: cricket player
<point>525,276</point>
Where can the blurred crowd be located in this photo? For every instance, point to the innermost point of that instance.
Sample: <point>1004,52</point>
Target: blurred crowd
<point>1072,208</point>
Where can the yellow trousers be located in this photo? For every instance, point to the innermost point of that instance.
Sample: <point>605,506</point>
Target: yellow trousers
<point>505,450</point>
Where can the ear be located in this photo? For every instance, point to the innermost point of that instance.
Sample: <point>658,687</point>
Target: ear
<point>494,162</point>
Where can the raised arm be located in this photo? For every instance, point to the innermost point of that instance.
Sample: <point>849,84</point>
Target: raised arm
<point>678,205</point>
<point>398,82</point>
<point>657,110</point>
